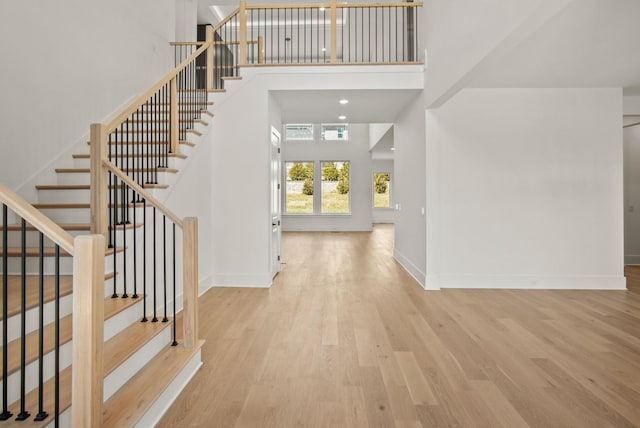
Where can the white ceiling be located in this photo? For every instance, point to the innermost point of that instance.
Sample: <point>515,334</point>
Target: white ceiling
<point>591,43</point>
<point>365,106</point>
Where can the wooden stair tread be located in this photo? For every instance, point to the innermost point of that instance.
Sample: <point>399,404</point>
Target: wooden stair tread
<point>193,131</point>
<point>88,187</point>
<point>64,226</point>
<point>127,342</point>
<point>120,155</point>
<point>208,113</point>
<point>122,410</point>
<point>87,170</point>
<point>62,206</point>
<point>31,402</point>
<point>48,252</point>
<point>112,307</point>
<point>33,294</point>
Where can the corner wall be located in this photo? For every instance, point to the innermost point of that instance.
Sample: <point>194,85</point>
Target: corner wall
<point>69,63</point>
<point>525,189</point>
<point>409,190</point>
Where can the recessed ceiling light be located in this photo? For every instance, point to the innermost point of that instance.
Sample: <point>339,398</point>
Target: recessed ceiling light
<point>344,101</point>
<point>342,117</point>
<point>322,9</point>
<point>324,49</point>
<point>393,149</point>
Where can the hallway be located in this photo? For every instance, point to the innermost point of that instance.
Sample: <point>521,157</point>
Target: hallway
<point>345,338</point>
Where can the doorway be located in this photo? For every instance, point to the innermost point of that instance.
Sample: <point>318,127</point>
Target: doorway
<point>275,217</point>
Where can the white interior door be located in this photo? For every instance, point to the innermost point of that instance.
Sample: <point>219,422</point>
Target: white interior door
<point>276,179</point>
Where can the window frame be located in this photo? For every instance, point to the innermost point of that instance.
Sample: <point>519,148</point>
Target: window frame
<point>320,205</point>
<point>373,190</point>
<point>345,132</point>
<point>286,135</point>
<point>286,180</point>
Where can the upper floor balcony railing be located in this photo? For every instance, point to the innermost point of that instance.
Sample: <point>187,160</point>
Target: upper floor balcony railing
<point>321,34</point>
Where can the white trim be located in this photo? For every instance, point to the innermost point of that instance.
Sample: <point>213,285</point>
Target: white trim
<point>327,227</point>
<point>205,285</point>
<point>411,268</point>
<point>242,280</point>
<point>632,259</point>
<point>534,282</point>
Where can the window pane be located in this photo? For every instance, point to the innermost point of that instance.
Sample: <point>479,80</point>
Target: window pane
<point>381,190</point>
<point>335,187</point>
<point>298,132</point>
<point>299,199</point>
<point>335,132</point>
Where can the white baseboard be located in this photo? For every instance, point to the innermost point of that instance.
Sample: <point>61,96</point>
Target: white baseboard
<point>326,227</point>
<point>242,280</point>
<point>411,268</point>
<point>632,259</point>
<point>204,285</point>
<point>568,282</point>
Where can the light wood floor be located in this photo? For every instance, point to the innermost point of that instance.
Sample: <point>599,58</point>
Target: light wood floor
<point>345,338</point>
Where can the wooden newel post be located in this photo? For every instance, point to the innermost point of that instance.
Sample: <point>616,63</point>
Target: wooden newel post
<point>334,32</point>
<point>210,39</point>
<point>190,281</point>
<point>242,48</point>
<point>98,143</point>
<point>88,323</point>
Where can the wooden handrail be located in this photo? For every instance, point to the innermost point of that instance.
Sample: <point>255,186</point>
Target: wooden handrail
<point>38,220</point>
<point>227,19</point>
<point>125,113</point>
<point>186,43</point>
<point>139,189</point>
<point>328,5</point>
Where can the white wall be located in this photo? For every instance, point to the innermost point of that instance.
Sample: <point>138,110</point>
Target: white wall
<point>525,189</point>
<point>69,63</point>
<point>409,189</point>
<point>632,195</point>
<point>462,35</point>
<point>377,131</point>
<point>383,215</point>
<point>631,105</point>
<point>356,151</point>
<point>240,194</point>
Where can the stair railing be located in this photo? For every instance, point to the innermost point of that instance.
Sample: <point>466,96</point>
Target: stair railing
<point>87,313</point>
<point>315,34</point>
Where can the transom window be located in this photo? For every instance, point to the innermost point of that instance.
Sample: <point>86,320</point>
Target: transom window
<point>334,132</point>
<point>298,131</point>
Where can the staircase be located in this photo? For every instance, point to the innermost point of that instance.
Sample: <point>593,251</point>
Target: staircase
<point>146,358</point>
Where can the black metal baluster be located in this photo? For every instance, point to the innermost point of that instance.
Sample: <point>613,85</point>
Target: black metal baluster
<point>57,338</point>
<point>125,203</point>
<point>144,260</point>
<point>42,415</point>
<point>135,249</point>
<point>155,270</point>
<point>164,262</point>
<point>23,321</point>
<point>175,342</point>
<point>114,190</point>
<point>6,414</point>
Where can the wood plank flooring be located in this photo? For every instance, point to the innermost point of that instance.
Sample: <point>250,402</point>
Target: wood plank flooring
<point>345,338</point>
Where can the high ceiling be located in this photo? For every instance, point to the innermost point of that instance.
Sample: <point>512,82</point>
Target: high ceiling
<point>591,43</point>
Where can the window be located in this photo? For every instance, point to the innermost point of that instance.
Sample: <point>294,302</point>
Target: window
<point>298,132</point>
<point>335,187</point>
<point>299,197</point>
<point>334,132</point>
<point>381,190</point>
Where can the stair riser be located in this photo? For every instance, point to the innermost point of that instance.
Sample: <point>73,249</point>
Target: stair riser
<point>173,162</point>
<point>116,379</point>
<point>124,319</point>
<point>31,374</point>
<point>32,318</point>
<point>66,265</point>
<point>83,178</point>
